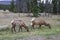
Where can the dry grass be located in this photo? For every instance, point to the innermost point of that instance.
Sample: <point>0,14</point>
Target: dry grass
<point>5,34</point>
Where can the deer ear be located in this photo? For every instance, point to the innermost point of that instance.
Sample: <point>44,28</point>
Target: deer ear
<point>33,19</point>
<point>12,21</point>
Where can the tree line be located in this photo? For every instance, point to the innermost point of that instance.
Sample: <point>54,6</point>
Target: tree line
<point>33,8</point>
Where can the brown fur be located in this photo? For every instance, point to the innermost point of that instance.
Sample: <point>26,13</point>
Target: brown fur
<point>20,23</point>
<point>40,21</point>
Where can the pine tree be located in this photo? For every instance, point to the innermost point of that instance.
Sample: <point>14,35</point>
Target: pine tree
<point>41,7</point>
<point>54,2</point>
<point>34,8</point>
<point>12,6</point>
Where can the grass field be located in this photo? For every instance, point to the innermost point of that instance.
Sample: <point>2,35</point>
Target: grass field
<point>6,34</point>
<point>44,31</point>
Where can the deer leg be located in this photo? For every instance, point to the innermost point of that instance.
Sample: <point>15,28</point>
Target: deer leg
<point>14,29</point>
<point>20,28</point>
<point>39,26</point>
<point>33,26</point>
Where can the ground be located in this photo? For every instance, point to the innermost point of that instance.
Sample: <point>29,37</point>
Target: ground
<point>37,34</point>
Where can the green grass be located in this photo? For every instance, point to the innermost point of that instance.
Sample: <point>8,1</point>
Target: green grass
<point>6,34</point>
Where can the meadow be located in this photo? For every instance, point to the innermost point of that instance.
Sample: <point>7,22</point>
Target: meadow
<point>6,34</point>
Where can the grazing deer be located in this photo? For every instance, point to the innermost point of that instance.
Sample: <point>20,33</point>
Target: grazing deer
<point>20,23</point>
<point>40,22</point>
